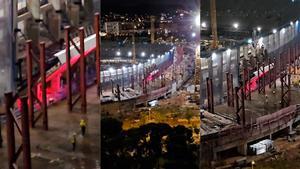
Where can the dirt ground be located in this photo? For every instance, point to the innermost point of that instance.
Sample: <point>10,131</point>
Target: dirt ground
<point>288,156</point>
<point>52,149</point>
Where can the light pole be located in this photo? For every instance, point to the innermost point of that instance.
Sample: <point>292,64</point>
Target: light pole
<point>252,164</point>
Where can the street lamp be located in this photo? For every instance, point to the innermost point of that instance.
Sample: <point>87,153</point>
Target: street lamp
<point>274,31</point>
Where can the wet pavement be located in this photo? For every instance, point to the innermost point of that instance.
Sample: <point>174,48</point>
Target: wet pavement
<point>53,149</point>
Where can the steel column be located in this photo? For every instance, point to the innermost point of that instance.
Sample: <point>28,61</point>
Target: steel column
<point>68,68</point>
<point>25,135</point>
<point>82,71</point>
<point>270,72</point>
<point>246,82</point>
<point>132,77</point>
<point>240,110</point>
<point>285,89</point>
<point>232,90</point>
<point>210,95</point>
<point>11,145</point>
<point>29,82</point>
<point>228,89</point>
<point>43,85</point>
<point>97,54</point>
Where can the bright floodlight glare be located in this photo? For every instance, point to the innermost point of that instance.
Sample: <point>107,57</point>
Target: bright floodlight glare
<point>198,20</point>
<point>249,41</point>
<point>129,53</point>
<point>203,25</point>
<point>228,51</point>
<point>143,54</point>
<point>258,28</point>
<point>193,34</point>
<point>152,55</point>
<point>291,23</point>
<point>111,69</point>
<point>260,42</point>
<point>198,48</point>
<point>118,53</point>
<point>124,68</point>
<point>283,30</point>
<point>236,25</point>
<point>274,31</point>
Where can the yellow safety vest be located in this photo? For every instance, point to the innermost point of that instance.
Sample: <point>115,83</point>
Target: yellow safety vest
<point>82,123</point>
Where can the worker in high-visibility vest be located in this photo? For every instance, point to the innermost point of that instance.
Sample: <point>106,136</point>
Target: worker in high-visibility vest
<point>73,141</point>
<point>82,126</point>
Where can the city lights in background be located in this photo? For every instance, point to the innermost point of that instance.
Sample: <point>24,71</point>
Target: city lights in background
<point>193,34</point>
<point>274,31</point>
<point>129,53</point>
<point>118,53</point>
<point>111,69</point>
<point>143,54</point>
<point>249,41</point>
<point>203,25</point>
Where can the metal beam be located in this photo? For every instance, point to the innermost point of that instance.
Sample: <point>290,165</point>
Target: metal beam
<point>29,82</point>
<point>82,71</point>
<point>43,85</point>
<point>97,54</point>
<point>68,68</point>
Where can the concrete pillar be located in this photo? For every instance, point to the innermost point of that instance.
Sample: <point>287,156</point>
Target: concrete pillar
<point>54,19</point>
<point>88,6</point>
<point>32,25</point>
<point>73,14</point>
<point>242,149</point>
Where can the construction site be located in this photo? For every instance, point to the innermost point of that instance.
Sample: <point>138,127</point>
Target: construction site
<point>245,95</point>
<point>47,51</point>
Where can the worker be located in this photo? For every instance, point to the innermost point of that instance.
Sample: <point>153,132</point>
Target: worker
<point>73,141</point>
<point>82,126</point>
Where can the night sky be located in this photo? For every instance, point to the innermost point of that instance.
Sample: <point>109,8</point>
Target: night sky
<point>147,6</point>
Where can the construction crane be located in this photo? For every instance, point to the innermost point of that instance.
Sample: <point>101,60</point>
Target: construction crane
<point>213,18</point>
